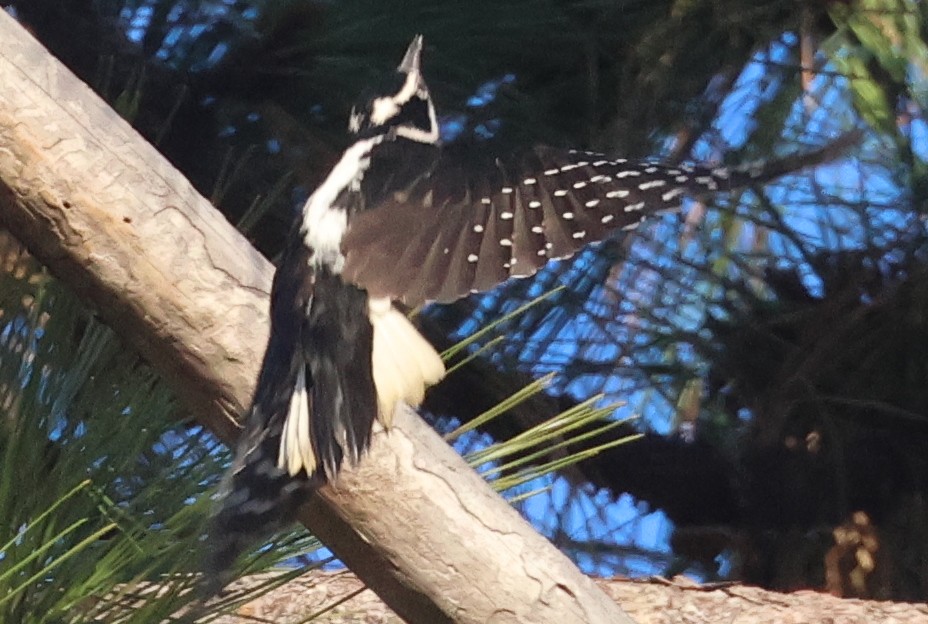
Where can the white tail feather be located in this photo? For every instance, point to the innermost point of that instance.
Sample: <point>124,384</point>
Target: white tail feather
<point>404,363</point>
<point>296,448</point>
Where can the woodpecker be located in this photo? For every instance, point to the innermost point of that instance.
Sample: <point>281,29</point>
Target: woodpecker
<point>398,222</point>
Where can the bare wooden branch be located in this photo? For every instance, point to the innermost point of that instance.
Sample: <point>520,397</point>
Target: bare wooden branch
<point>113,220</point>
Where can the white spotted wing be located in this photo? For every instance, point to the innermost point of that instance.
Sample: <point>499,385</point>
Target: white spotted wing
<point>455,232</point>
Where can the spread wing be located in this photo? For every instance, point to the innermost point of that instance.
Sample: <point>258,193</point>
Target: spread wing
<point>457,232</point>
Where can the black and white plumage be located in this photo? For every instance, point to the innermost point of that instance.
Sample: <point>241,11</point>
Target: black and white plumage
<point>453,232</point>
<point>397,221</point>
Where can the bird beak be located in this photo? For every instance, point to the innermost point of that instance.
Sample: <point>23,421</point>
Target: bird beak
<point>410,61</point>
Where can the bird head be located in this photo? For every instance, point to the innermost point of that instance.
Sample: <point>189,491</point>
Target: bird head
<point>401,106</point>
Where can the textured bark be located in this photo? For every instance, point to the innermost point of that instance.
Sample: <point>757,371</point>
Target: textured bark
<point>113,220</point>
<point>649,601</point>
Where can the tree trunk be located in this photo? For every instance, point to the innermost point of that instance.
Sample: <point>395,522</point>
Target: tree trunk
<point>115,222</point>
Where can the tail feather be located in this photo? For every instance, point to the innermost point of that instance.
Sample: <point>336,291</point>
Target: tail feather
<point>257,498</point>
<point>338,339</point>
<point>335,361</point>
<point>404,363</point>
<point>261,492</point>
<point>296,448</point>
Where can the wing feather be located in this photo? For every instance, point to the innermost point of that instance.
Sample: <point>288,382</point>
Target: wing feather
<point>450,234</point>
